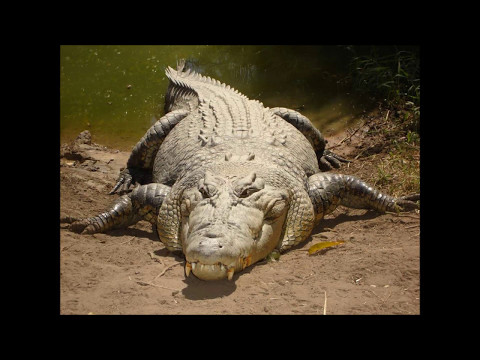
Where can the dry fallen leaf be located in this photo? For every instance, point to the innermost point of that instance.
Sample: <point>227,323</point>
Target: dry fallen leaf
<point>323,245</point>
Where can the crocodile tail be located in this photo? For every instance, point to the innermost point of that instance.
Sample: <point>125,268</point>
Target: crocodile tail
<point>186,78</point>
<point>181,64</point>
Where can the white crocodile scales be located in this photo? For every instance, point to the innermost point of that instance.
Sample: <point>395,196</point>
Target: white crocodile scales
<point>228,181</point>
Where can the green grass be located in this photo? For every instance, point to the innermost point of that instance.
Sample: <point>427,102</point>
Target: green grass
<point>399,171</point>
<point>391,75</point>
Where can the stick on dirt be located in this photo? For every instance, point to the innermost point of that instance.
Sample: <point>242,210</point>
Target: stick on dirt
<point>165,270</point>
<point>325,305</point>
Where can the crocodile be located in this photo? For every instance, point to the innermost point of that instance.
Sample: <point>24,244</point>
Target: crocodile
<point>228,182</point>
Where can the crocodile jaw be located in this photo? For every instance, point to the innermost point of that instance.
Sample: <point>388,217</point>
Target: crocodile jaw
<point>216,271</point>
<point>217,252</point>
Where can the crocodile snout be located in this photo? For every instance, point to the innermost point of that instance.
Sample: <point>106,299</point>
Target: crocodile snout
<point>214,255</point>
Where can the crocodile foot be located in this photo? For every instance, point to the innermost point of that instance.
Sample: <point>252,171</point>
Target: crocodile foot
<point>330,160</point>
<point>128,177</point>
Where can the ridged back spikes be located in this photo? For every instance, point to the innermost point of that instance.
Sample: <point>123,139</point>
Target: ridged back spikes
<point>190,79</point>
<point>224,110</point>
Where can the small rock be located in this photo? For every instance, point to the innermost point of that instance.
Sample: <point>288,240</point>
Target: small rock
<point>84,138</point>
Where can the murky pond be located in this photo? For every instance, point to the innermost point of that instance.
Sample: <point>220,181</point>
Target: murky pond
<point>117,92</point>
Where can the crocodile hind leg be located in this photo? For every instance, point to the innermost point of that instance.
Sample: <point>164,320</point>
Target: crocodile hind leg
<point>326,158</point>
<point>140,162</point>
<point>327,191</point>
<point>143,203</point>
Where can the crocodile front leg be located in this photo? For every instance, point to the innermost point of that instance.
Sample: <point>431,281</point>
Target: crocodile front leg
<point>140,163</point>
<point>143,203</point>
<point>326,158</point>
<point>327,191</point>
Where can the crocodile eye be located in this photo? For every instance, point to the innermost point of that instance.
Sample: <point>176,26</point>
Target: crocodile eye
<point>207,185</point>
<point>248,185</point>
<point>247,192</point>
<point>207,191</point>
<point>204,192</point>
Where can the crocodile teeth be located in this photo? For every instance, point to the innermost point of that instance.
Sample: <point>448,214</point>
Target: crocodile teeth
<point>230,273</point>
<point>246,261</point>
<point>188,268</point>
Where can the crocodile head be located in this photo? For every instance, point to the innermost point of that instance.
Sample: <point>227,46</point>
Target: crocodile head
<point>229,222</point>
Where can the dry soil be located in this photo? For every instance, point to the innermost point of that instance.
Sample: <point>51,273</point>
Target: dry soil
<point>375,271</point>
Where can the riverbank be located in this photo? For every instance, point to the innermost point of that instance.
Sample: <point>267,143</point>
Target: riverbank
<point>375,271</point>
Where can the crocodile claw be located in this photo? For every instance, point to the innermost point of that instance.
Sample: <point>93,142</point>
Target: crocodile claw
<point>124,181</point>
<point>329,160</point>
<point>128,177</point>
<point>83,226</point>
<point>409,202</point>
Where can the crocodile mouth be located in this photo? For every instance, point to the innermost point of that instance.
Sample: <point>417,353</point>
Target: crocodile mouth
<point>216,271</point>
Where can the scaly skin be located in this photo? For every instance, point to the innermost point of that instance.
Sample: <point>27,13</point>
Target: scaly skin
<point>142,203</point>
<point>231,180</point>
<point>139,165</point>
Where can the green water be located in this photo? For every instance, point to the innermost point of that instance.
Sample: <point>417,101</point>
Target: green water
<point>117,92</point>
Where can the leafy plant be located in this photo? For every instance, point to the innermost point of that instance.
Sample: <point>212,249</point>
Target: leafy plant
<point>387,73</point>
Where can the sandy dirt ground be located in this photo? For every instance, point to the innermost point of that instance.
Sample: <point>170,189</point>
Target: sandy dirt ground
<point>375,271</point>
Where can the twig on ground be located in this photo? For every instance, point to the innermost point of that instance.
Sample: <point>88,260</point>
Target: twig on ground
<point>123,242</point>
<point>382,300</point>
<point>308,277</point>
<point>346,138</point>
<point>159,286</point>
<point>325,304</point>
<point>166,269</point>
<point>365,150</point>
<point>68,247</point>
<point>402,215</point>
<point>127,241</point>
<point>155,257</point>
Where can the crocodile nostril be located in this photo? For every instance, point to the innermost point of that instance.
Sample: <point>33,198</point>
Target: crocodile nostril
<point>212,235</point>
